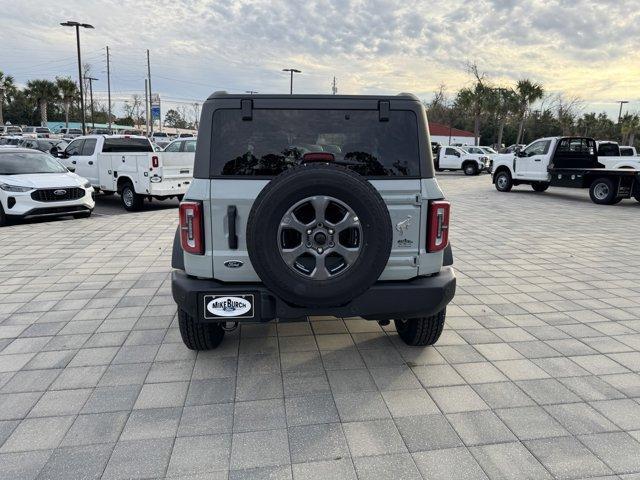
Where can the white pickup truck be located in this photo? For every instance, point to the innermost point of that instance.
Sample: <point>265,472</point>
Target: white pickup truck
<point>458,158</point>
<point>571,162</point>
<point>611,155</point>
<point>127,164</point>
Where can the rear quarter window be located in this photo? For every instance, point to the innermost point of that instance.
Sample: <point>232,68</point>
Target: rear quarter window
<point>277,140</point>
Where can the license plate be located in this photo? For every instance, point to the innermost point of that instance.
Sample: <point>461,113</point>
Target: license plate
<point>228,306</point>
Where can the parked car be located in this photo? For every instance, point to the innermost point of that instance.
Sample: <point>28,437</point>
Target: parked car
<point>35,184</point>
<point>185,145</point>
<point>10,130</point>
<point>267,232</point>
<point>513,148</point>
<point>127,164</point>
<point>186,135</point>
<point>49,145</point>
<point>160,137</point>
<point>571,162</point>
<point>458,158</point>
<point>628,151</point>
<point>36,132</point>
<point>69,133</point>
<point>131,132</point>
<point>10,141</point>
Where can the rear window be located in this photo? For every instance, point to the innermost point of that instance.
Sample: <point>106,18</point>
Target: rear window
<point>276,140</point>
<point>112,145</point>
<point>608,150</point>
<point>42,130</point>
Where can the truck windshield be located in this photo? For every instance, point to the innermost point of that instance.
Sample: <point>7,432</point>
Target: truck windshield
<point>276,140</point>
<point>27,162</point>
<point>124,144</point>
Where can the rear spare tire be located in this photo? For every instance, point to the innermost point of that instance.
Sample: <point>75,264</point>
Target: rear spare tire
<point>319,235</point>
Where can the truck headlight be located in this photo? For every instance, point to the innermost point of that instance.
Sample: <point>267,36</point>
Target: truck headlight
<point>14,188</point>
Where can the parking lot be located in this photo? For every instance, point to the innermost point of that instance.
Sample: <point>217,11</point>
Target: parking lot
<point>536,375</point>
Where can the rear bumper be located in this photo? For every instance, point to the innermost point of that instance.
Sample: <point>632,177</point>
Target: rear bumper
<point>169,187</point>
<point>421,296</point>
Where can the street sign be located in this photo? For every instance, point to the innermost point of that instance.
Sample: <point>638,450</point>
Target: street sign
<point>155,106</point>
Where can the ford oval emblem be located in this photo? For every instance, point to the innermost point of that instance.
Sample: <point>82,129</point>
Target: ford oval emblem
<point>59,192</point>
<point>233,263</point>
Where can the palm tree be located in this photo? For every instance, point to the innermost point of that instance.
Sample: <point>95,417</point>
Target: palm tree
<point>506,105</point>
<point>474,100</point>
<point>42,92</point>
<point>630,125</point>
<point>7,89</point>
<point>68,93</point>
<point>527,92</point>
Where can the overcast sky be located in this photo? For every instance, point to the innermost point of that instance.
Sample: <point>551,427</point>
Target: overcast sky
<point>578,47</point>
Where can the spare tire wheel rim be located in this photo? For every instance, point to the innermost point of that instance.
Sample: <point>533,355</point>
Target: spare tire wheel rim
<point>320,237</point>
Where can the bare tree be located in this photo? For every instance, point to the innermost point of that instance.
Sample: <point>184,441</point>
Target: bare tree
<point>133,108</point>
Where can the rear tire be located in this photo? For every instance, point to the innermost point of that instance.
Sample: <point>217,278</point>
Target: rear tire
<point>131,201</point>
<point>421,331</point>
<point>470,168</point>
<point>199,336</point>
<point>539,186</point>
<point>503,181</point>
<point>603,192</point>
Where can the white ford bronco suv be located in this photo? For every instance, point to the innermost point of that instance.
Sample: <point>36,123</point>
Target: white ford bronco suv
<point>308,205</point>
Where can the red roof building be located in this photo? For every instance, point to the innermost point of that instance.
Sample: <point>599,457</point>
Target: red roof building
<point>442,133</point>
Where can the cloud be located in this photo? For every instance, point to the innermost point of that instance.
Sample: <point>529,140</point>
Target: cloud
<point>579,47</point>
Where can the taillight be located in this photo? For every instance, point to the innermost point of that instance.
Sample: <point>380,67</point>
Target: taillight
<point>155,162</point>
<point>191,229</point>
<point>438,225</point>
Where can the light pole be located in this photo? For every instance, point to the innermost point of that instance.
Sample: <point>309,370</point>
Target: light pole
<point>292,71</point>
<point>621,102</point>
<point>78,25</point>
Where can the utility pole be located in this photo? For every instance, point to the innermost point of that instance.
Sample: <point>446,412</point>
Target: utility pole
<point>146,106</point>
<point>108,91</point>
<point>621,102</point>
<point>77,26</point>
<point>334,87</point>
<point>150,93</point>
<point>91,80</point>
<point>292,71</point>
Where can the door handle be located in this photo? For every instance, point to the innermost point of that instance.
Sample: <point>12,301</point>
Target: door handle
<point>536,159</point>
<point>90,162</point>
